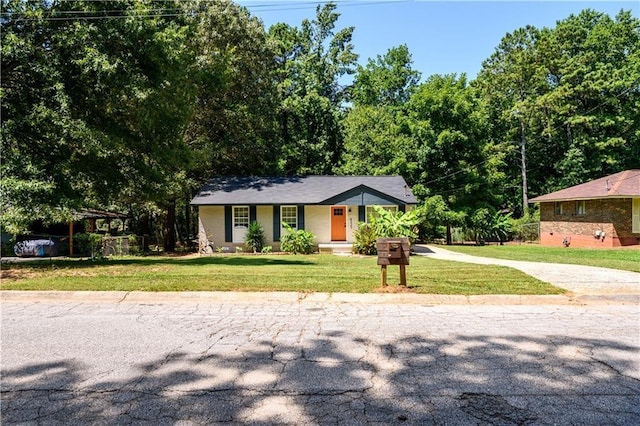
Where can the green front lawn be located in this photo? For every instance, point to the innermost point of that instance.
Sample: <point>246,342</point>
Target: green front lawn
<point>314,273</point>
<point>623,258</point>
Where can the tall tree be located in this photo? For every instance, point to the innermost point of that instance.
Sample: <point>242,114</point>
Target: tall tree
<point>511,79</point>
<point>592,101</point>
<point>377,137</point>
<point>233,129</point>
<point>450,125</point>
<point>310,62</point>
<point>388,80</point>
<point>97,120</point>
<point>570,94</point>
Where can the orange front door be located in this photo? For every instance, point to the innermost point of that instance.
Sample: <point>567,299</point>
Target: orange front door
<point>338,223</point>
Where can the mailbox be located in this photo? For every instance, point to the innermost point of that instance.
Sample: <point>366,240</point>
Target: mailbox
<point>393,251</point>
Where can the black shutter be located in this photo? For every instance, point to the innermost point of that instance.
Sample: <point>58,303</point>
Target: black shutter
<point>228,224</point>
<point>276,222</point>
<point>253,215</point>
<point>300,216</point>
<point>362,213</point>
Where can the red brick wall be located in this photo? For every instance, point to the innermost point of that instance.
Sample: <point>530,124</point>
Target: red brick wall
<point>611,216</point>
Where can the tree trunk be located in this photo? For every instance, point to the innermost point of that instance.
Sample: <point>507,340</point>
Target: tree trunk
<point>169,229</point>
<point>523,159</point>
<point>449,239</point>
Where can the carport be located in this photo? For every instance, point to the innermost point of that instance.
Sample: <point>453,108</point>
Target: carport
<point>92,215</point>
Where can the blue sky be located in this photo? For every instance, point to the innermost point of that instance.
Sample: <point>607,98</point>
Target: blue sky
<point>443,37</point>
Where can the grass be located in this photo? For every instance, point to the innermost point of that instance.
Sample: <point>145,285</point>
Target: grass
<point>625,259</point>
<point>314,273</point>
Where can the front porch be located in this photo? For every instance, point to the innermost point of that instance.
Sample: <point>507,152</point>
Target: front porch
<point>335,247</point>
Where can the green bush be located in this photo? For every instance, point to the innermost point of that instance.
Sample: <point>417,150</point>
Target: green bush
<point>527,227</point>
<point>399,224</point>
<point>297,240</point>
<point>86,244</point>
<point>490,225</point>
<point>254,238</point>
<point>365,239</point>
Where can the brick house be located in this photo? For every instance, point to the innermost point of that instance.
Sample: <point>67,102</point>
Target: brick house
<point>600,213</point>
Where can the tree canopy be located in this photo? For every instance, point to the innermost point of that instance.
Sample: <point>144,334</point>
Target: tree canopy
<point>133,104</point>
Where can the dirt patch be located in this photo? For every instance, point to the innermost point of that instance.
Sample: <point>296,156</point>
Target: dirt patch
<point>18,274</point>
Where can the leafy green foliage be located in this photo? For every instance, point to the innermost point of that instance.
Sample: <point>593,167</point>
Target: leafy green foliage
<point>254,238</point>
<point>437,215</point>
<point>88,244</point>
<point>134,113</point>
<point>387,81</point>
<point>389,224</point>
<point>364,241</point>
<point>487,225</point>
<point>309,61</point>
<point>297,240</point>
<point>527,227</point>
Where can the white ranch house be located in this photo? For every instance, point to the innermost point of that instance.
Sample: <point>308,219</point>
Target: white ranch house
<point>328,206</point>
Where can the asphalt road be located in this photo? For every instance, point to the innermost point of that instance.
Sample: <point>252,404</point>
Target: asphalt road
<point>208,360</point>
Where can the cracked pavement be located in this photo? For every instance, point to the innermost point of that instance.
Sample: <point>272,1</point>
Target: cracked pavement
<point>216,359</point>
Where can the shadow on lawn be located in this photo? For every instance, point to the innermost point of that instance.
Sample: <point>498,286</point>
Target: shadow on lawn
<point>341,378</point>
<point>229,260</point>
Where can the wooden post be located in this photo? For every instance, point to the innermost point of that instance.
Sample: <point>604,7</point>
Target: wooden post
<point>403,275</point>
<point>383,275</point>
<point>71,238</point>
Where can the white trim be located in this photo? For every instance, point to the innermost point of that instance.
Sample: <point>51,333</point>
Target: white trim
<point>238,226</point>
<point>283,231</point>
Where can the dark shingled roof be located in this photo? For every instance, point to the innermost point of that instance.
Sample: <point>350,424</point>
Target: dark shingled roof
<point>297,190</point>
<point>620,185</point>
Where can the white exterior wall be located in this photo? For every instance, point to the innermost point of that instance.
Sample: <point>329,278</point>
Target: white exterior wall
<point>317,219</point>
<point>211,225</point>
<point>264,216</point>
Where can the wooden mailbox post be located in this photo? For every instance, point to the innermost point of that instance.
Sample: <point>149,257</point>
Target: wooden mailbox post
<point>393,251</point>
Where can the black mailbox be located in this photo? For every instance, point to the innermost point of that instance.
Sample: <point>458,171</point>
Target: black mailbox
<point>393,251</point>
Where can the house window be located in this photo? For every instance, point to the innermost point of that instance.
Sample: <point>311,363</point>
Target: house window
<point>635,216</point>
<point>241,217</point>
<point>370,212</point>
<point>240,223</point>
<point>581,208</point>
<point>558,208</point>
<point>289,215</point>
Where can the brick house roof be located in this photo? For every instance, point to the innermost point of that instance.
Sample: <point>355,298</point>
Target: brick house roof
<point>624,184</point>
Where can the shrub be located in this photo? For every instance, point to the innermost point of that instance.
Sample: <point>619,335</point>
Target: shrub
<point>254,238</point>
<point>86,244</point>
<point>527,227</point>
<point>297,240</point>
<point>490,225</point>
<point>399,224</point>
<point>365,239</point>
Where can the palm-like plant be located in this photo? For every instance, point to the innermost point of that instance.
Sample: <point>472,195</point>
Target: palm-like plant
<point>254,238</point>
<point>399,224</point>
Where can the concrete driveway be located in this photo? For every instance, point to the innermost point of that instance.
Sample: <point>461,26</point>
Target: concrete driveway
<point>583,280</point>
